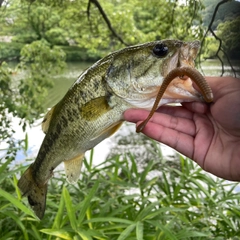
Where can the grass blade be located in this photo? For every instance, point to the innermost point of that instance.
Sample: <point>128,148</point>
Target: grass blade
<point>165,231</point>
<point>59,216</point>
<point>87,202</point>
<point>84,235</point>
<point>70,210</point>
<point>17,203</point>
<point>139,230</point>
<point>188,233</point>
<point>15,182</point>
<point>61,233</point>
<point>134,168</point>
<point>18,222</point>
<point>4,165</point>
<point>145,172</point>
<point>145,212</point>
<point>111,219</point>
<point>126,232</point>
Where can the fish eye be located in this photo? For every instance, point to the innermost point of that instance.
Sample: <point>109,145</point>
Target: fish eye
<point>160,50</point>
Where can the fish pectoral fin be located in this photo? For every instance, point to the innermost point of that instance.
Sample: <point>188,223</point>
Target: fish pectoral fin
<point>73,168</point>
<point>95,108</point>
<point>36,194</point>
<point>47,119</point>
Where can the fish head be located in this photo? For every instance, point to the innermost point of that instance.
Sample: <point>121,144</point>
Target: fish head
<point>136,73</point>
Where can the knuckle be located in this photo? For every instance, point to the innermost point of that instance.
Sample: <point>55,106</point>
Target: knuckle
<point>173,122</point>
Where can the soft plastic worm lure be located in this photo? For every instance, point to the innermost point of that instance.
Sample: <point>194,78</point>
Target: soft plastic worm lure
<point>178,72</point>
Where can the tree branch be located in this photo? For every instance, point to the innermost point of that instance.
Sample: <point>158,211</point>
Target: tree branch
<point>217,38</point>
<point>1,2</point>
<point>97,4</point>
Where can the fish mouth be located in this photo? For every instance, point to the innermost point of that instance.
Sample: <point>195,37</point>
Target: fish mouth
<point>181,89</point>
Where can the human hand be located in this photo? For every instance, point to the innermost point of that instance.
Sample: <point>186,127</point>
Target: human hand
<point>207,133</point>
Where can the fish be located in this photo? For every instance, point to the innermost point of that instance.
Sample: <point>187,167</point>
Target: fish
<point>92,109</point>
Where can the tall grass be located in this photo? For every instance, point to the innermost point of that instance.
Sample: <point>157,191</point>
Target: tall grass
<point>116,200</point>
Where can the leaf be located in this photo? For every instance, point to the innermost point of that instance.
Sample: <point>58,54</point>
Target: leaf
<point>202,188</point>
<point>111,219</point>
<point>139,230</point>
<point>167,186</point>
<point>59,217</point>
<point>188,233</point>
<point>166,231</point>
<point>134,167</point>
<point>18,222</point>
<point>126,232</point>
<point>35,232</point>
<point>26,142</point>
<point>84,235</point>
<point>15,182</point>
<point>87,202</point>
<point>61,233</point>
<point>9,235</point>
<point>145,212</point>
<point>17,203</point>
<point>163,210</point>
<point>70,209</point>
<point>145,172</point>
<point>4,166</point>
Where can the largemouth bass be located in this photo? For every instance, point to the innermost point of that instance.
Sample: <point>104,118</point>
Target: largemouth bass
<point>92,108</point>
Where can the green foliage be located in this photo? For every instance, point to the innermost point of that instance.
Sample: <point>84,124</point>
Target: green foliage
<point>41,61</point>
<point>210,48</point>
<point>10,51</point>
<point>116,200</point>
<point>8,107</point>
<point>77,54</point>
<point>164,19</point>
<point>70,23</point>
<point>23,98</point>
<point>227,12</point>
<point>229,32</point>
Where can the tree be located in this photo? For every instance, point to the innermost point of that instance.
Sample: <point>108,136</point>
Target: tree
<point>230,11</point>
<point>100,25</point>
<point>97,27</point>
<point>229,32</point>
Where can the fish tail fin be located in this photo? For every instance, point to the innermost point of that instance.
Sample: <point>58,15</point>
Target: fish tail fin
<point>36,194</point>
<point>73,168</point>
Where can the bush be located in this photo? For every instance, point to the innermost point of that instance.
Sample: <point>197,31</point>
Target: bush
<point>75,53</point>
<point>10,50</point>
<point>25,38</point>
<point>117,201</point>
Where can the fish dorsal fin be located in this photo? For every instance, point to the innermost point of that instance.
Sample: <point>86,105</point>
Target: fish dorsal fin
<point>73,168</point>
<point>47,119</point>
